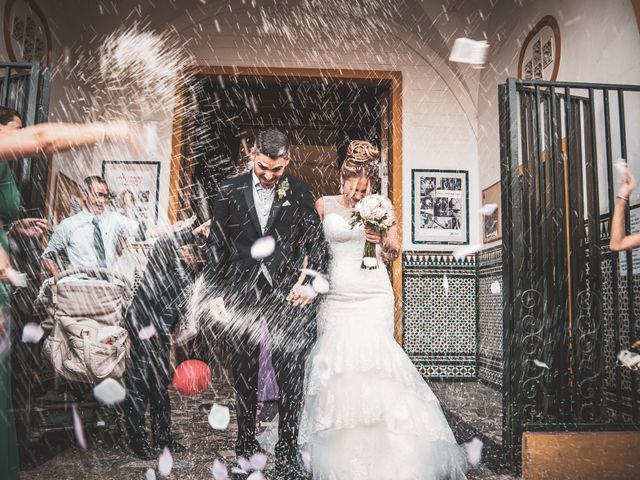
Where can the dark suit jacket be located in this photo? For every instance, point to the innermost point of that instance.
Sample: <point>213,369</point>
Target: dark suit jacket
<point>293,223</point>
<point>164,287</point>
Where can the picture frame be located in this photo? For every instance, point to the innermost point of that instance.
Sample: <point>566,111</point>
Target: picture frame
<point>540,53</point>
<point>492,224</point>
<point>440,207</point>
<point>134,188</point>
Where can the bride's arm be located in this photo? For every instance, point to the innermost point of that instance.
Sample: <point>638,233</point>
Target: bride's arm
<point>320,207</point>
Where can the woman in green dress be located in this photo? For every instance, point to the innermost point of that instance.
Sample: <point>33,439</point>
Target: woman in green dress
<point>16,143</point>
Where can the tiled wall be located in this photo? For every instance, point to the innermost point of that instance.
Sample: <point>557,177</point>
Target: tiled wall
<point>455,335</point>
<point>489,270</point>
<point>439,327</point>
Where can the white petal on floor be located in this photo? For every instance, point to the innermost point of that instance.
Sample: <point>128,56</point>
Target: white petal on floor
<point>244,464</point>
<point>32,332</point>
<point>488,209</point>
<point>496,289</point>
<point>77,427</point>
<point>445,284</point>
<point>219,417</point>
<point>109,392</point>
<point>147,332</point>
<point>540,364</point>
<point>165,463</point>
<point>258,461</point>
<point>320,284</point>
<point>263,247</point>
<point>474,451</point>
<point>237,470</point>
<point>462,252</point>
<point>256,476</point>
<point>151,474</point>
<point>219,470</point>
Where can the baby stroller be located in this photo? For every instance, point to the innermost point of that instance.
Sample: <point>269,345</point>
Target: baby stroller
<point>82,312</point>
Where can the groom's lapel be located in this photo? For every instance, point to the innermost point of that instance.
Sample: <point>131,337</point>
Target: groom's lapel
<point>251,206</point>
<point>276,206</point>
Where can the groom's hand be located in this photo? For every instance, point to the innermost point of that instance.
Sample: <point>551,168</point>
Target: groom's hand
<point>297,298</point>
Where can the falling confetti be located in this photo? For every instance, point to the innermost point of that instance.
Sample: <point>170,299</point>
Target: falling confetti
<point>540,364</point>
<point>621,166</point>
<point>629,359</point>
<point>165,463</point>
<point>32,333</point>
<point>474,451</point>
<point>147,332</point>
<point>263,247</point>
<point>306,460</point>
<point>466,250</point>
<point>469,51</point>
<point>308,291</point>
<point>320,284</point>
<point>219,417</point>
<point>496,289</point>
<point>488,209</point>
<point>109,392</point>
<point>77,428</point>
<point>219,470</point>
<point>17,279</point>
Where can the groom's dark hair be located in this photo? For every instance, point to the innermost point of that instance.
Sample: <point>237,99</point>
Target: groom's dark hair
<point>272,143</point>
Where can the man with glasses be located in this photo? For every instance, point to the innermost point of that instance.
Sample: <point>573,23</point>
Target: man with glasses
<point>90,238</point>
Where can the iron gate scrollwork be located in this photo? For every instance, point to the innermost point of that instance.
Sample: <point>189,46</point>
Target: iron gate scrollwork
<point>567,309</point>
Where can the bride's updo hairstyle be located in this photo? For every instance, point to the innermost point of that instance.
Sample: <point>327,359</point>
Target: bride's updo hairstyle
<point>362,161</point>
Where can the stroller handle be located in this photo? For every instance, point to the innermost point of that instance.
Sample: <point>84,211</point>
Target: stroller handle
<point>94,272</point>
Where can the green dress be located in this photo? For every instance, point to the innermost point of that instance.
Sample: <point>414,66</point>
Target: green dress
<point>9,205</point>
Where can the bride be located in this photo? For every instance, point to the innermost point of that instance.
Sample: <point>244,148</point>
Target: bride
<point>368,414</point>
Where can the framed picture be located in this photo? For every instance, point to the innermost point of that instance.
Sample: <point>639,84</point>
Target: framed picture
<point>440,206</point>
<point>67,198</point>
<point>134,188</point>
<point>540,53</point>
<point>492,224</point>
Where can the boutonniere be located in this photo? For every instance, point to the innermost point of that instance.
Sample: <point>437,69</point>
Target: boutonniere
<point>283,188</point>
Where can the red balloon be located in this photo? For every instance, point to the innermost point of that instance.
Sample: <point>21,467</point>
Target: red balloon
<point>192,377</point>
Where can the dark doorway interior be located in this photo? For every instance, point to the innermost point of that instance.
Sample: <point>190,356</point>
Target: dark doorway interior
<point>320,115</point>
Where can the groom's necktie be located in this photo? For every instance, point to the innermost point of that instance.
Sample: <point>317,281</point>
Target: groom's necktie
<point>98,243</point>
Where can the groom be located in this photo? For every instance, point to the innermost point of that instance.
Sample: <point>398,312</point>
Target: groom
<point>266,202</point>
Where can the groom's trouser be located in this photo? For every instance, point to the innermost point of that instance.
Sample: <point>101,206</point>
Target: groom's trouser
<point>288,358</point>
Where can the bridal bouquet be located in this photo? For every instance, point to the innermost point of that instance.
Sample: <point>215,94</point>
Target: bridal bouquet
<point>376,212</point>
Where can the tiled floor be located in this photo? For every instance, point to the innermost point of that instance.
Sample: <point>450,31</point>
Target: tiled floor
<point>471,407</point>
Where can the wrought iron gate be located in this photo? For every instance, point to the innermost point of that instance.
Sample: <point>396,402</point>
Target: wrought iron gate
<point>567,309</point>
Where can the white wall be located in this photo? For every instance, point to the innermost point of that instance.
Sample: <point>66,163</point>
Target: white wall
<point>599,43</point>
<point>439,111</point>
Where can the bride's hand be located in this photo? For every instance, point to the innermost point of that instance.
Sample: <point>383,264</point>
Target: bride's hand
<point>297,298</point>
<point>373,236</point>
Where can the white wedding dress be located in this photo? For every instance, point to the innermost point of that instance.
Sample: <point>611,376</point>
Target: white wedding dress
<point>368,414</point>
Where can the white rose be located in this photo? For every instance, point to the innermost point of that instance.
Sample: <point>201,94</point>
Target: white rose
<point>386,204</point>
<point>378,213</point>
<point>365,212</point>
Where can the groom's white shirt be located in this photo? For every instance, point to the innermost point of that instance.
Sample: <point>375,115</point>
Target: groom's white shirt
<point>262,200</point>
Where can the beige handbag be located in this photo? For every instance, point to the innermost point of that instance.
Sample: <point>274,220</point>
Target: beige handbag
<point>86,343</point>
